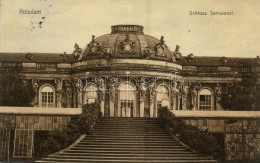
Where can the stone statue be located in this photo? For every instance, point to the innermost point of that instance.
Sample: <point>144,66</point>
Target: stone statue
<point>177,49</point>
<point>111,87</point>
<point>194,93</point>
<point>162,40</point>
<point>217,91</point>
<point>184,96</point>
<point>59,83</point>
<point>68,93</point>
<point>193,98</point>
<point>147,52</point>
<point>35,88</point>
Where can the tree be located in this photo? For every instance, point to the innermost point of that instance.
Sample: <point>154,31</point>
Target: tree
<point>240,96</point>
<point>15,90</point>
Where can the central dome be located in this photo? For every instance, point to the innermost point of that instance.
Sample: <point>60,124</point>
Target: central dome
<point>127,41</point>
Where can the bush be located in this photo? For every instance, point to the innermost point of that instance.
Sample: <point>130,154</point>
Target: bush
<point>60,139</point>
<point>198,139</point>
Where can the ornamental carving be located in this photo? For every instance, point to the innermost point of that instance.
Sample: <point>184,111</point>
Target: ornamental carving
<point>257,60</point>
<point>148,52</point>
<point>160,47</point>
<point>223,60</point>
<point>94,48</point>
<point>127,46</point>
<point>29,56</point>
<point>190,57</point>
<point>107,52</point>
<point>77,52</point>
<point>177,53</point>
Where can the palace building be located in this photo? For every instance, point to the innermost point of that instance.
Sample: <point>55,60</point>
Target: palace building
<point>129,73</point>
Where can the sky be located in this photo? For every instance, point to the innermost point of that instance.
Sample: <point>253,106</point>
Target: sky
<point>62,23</point>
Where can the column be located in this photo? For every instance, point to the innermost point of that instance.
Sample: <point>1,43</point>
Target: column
<point>111,90</point>
<point>152,99</point>
<point>142,97</point>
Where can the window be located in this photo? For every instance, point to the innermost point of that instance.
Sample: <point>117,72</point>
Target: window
<point>91,94</point>
<point>162,96</point>
<point>47,97</point>
<point>4,144</point>
<point>205,100</point>
<point>127,100</point>
<point>23,143</point>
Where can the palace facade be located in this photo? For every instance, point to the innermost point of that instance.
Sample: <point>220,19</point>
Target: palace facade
<point>129,73</point>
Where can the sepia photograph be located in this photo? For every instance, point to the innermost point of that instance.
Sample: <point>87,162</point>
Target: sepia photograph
<point>129,81</point>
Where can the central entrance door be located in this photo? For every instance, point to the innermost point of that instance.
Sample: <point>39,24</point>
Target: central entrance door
<point>126,100</point>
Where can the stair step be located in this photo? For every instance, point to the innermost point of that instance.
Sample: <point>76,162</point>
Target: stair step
<point>124,160</point>
<point>129,161</point>
<point>125,149</point>
<point>129,146</point>
<point>127,140</point>
<point>127,154</point>
<point>128,151</point>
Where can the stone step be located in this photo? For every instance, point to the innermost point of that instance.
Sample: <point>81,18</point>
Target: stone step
<point>127,154</point>
<point>135,157</point>
<point>127,140</point>
<point>126,161</point>
<point>143,136</point>
<point>172,151</point>
<point>136,145</point>
<point>138,140</point>
<point>126,149</point>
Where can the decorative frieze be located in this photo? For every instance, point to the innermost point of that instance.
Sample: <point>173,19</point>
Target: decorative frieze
<point>189,68</point>
<point>207,69</point>
<point>29,65</point>
<point>224,68</point>
<point>46,65</point>
<point>11,64</point>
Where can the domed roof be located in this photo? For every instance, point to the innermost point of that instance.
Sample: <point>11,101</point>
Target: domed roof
<point>127,41</point>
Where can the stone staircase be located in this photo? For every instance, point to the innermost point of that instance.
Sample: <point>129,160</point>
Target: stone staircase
<point>137,140</point>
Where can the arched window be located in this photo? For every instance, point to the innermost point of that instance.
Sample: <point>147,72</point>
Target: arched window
<point>91,94</point>
<point>162,96</point>
<point>205,99</point>
<point>127,100</point>
<point>47,97</point>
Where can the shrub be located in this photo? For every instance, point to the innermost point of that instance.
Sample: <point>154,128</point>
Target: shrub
<point>83,124</point>
<point>198,139</point>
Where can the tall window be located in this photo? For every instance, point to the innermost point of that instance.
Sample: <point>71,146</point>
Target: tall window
<point>91,94</point>
<point>127,100</point>
<point>205,99</point>
<point>162,96</point>
<point>47,97</point>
